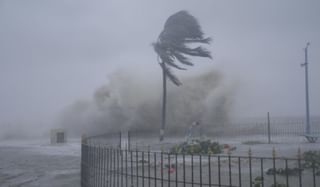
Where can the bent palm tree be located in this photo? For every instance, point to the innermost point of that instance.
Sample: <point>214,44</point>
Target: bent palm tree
<point>179,30</point>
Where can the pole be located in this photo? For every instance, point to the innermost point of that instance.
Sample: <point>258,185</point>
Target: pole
<point>305,65</point>
<point>269,135</point>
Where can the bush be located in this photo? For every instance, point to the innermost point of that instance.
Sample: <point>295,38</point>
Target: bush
<point>197,147</point>
<point>311,157</point>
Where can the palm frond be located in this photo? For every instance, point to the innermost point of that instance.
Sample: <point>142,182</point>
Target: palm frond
<point>204,41</point>
<point>165,57</point>
<point>181,26</point>
<point>179,30</point>
<point>198,51</point>
<point>182,59</point>
<point>170,75</point>
<point>171,63</point>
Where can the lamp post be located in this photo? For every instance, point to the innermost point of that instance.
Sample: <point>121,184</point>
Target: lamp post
<point>305,65</point>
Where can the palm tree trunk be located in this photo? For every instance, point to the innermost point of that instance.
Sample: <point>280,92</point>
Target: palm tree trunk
<point>164,101</point>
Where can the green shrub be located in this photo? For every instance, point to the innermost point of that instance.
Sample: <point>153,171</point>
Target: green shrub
<point>311,158</point>
<point>197,147</point>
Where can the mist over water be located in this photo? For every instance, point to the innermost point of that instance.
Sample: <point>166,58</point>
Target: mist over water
<point>55,53</point>
<point>130,102</point>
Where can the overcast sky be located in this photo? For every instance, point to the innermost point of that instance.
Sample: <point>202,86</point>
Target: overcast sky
<point>53,52</point>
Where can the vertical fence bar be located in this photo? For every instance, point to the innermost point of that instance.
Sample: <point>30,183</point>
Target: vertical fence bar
<point>219,171</point>
<point>95,166</point>
<point>149,171</point>
<point>250,170</point>
<point>314,173</point>
<point>169,169</point>
<point>137,167</point>
<point>100,166</point>
<point>120,139</point>
<point>155,169</point>
<point>113,167</point>
<point>110,167</point>
<point>108,156</point>
<point>274,171</point>
<point>287,173</point>
<point>114,170</point>
<point>121,166</point>
<point>192,179</point>
<point>209,168</point>
<point>239,167</point>
<point>126,157</point>
<point>107,167</point>
<point>230,172</point>
<point>300,171</point>
<point>87,173</point>
<point>82,164</point>
<point>104,150</point>
<point>104,166</point>
<point>184,169</point>
<point>176,167</point>
<point>88,166</point>
<point>118,166</point>
<point>200,163</point>
<point>261,169</point>
<point>142,168</point>
<point>161,157</point>
<point>129,140</point>
<point>131,168</point>
<point>91,166</point>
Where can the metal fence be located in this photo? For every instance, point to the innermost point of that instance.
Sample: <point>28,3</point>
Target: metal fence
<point>106,161</point>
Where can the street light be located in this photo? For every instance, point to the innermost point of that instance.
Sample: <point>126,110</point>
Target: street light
<point>305,65</point>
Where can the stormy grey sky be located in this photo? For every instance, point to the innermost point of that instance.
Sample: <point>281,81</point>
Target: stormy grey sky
<point>55,52</point>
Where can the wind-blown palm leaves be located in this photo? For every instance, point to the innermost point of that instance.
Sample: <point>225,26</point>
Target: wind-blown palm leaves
<point>179,30</point>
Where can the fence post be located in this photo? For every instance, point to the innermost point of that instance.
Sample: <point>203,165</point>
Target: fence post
<point>274,166</point>
<point>269,135</point>
<point>299,166</point>
<point>83,159</point>
<point>250,166</point>
<point>129,140</point>
<point>120,140</point>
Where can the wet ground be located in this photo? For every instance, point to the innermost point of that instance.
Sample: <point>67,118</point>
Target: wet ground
<point>33,163</point>
<point>37,163</point>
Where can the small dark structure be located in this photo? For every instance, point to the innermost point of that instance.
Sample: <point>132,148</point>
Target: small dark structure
<point>58,136</point>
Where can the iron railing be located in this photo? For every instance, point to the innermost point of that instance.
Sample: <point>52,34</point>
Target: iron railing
<point>110,165</point>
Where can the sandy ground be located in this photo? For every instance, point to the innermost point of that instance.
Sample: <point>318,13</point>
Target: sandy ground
<point>37,163</point>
